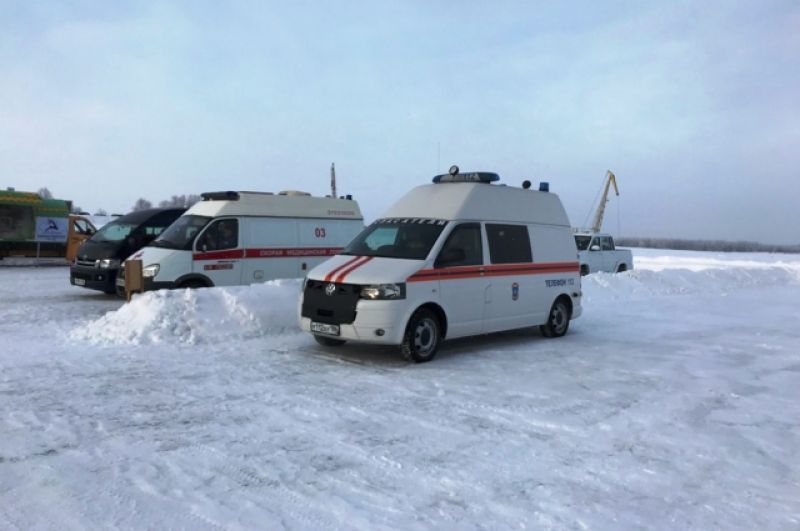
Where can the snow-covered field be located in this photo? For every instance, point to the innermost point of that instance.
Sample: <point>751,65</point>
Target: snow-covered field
<point>673,403</point>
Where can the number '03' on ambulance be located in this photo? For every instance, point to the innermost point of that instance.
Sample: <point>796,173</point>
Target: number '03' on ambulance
<point>455,258</point>
<point>232,238</point>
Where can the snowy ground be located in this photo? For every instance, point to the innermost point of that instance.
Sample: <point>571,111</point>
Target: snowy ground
<point>673,403</point>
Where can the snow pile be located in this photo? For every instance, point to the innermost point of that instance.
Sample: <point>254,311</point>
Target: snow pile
<point>696,279</point>
<point>198,316</point>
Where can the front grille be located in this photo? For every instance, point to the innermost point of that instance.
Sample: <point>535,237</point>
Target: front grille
<point>338,308</point>
<point>82,276</point>
<point>85,263</point>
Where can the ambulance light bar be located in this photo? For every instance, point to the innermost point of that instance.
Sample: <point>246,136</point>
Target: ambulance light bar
<point>472,177</point>
<point>220,196</point>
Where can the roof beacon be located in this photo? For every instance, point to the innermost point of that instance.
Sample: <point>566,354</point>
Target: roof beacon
<point>473,177</point>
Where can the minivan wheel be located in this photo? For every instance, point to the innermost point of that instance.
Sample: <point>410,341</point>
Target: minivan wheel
<point>422,337</point>
<point>329,341</point>
<point>557,321</point>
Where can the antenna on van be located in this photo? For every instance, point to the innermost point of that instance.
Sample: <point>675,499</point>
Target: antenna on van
<point>333,181</point>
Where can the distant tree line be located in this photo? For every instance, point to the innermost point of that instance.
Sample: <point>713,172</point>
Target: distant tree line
<point>176,201</point>
<point>706,245</point>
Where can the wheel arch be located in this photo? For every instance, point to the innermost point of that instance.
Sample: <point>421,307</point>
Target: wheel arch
<point>193,277</point>
<point>438,311</point>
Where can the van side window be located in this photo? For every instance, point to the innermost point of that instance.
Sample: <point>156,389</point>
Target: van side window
<point>462,248</point>
<point>222,234</point>
<point>508,244</point>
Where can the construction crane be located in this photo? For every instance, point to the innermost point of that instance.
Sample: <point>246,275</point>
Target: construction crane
<point>601,208</point>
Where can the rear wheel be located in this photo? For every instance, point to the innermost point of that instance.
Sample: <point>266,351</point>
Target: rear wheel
<point>584,270</point>
<point>329,341</point>
<point>422,337</point>
<point>622,268</point>
<point>557,321</point>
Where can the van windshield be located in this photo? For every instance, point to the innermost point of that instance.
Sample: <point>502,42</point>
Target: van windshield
<point>181,234</point>
<point>409,238</point>
<point>582,242</point>
<point>113,232</point>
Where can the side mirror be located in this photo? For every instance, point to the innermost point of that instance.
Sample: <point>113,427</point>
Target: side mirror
<point>594,248</point>
<point>452,255</point>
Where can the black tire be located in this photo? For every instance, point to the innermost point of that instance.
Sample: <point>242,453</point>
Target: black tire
<point>423,336</point>
<point>584,270</point>
<point>557,321</point>
<point>622,268</point>
<point>192,284</point>
<point>329,341</point>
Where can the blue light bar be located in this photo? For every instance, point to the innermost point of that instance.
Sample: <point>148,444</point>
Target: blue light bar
<point>472,177</point>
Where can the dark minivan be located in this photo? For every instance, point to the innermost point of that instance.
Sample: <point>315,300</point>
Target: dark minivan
<point>99,257</point>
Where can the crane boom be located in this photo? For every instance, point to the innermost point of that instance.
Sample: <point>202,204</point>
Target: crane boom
<point>601,208</point>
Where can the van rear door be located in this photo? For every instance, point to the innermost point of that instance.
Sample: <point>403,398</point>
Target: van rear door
<point>218,253</point>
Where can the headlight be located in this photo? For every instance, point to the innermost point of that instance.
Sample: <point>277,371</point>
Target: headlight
<point>384,291</point>
<point>150,271</point>
<point>107,263</point>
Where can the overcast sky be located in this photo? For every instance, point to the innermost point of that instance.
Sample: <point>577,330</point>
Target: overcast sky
<point>694,105</point>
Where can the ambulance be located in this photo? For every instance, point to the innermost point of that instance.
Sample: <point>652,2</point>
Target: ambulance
<point>459,257</point>
<point>233,238</point>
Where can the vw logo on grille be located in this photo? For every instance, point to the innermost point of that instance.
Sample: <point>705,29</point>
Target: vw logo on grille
<point>330,289</point>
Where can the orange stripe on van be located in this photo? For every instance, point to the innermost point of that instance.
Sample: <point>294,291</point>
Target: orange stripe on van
<point>353,267</point>
<point>335,270</point>
<point>496,270</point>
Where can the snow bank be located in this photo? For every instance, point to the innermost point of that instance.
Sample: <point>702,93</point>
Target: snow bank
<point>198,316</point>
<point>228,314</point>
<point>671,278</point>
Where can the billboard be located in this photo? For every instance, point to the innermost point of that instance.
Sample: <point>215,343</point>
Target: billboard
<point>51,229</point>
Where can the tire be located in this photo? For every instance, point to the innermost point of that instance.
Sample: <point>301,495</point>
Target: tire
<point>329,341</point>
<point>622,268</point>
<point>584,270</point>
<point>192,284</point>
<point>423,336</point>
<point>557,321</point>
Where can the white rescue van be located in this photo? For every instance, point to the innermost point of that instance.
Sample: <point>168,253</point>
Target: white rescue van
<point>232,238</point>
<point>455,258</point>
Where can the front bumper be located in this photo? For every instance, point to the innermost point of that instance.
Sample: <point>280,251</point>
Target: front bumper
<point>93,278</point>
<point>388,316</point>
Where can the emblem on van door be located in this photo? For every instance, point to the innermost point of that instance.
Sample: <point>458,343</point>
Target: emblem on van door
<point>514,291</point>
<point>330,289</point>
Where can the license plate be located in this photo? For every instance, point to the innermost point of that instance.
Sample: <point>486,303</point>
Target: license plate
<point>121,282</point>
<point>324,328</point>
<point>79,281</point>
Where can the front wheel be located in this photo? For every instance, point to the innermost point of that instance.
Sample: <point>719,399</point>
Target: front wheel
<point>558,321</point>
<point>328,341</point>
<point>422,337</point>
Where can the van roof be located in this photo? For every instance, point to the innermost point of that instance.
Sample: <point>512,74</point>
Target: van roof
<point>289,205</point>
<point>481,202</point>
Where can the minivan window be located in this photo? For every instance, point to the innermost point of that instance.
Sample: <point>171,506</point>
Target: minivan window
<point>463,247</point>
<point>222,234</point>
<point>508,244</point>
<point>181,234</point>
<point>408,238</point>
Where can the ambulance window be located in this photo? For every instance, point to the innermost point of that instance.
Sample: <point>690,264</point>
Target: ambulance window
<point>222,234</point>
<point>508,244</point>
<point>463,247</point>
